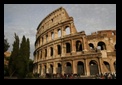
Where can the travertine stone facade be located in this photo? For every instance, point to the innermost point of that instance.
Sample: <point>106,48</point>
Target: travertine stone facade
<point>57,51</point>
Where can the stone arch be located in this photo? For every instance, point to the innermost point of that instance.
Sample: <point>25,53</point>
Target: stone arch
<point>45,53</point>
<point>68,68</point>
<point>67,30</point>
<point>51,51</point>
<point>101,45</point>
<point>52,35</point>
<point>78,46</point>
<point>107,66</point>
<point>68,47</point>
<point>80,68</point>
<point>91,46</point>
<point>93,67</point>
<point>59,32</point>
<point>46,38</point>
<point>59,49</point>
<point>59,68</point>
<point>45,67</point>
<point>51,69</point>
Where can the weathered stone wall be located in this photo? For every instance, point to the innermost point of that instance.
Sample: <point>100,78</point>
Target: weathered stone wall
<point>59,52</point>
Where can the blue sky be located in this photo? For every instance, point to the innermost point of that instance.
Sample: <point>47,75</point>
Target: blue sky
<point>23,19</point>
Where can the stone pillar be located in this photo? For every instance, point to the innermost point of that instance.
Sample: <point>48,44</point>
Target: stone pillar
<point>87,68</point>
<point>74,67</point>
<point>54,67</point>
<point>44,39</point>
<point>63,68</point>
<point>55,34</point>
<point>112,66</point>
<point>55,51</point>
<point>100,65</point>
<point>47,69</point>
<point>62,32</point>
<point>72,28</point>
<point>49,36</point>
<point>48,52</point>
<point>38,67</point>
<point>84,43</point>
<point>62,49</point>
<point>73,46</point>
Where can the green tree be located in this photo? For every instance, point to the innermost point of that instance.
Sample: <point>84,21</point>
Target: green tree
<point>13,58</point>
<point>6,45</point>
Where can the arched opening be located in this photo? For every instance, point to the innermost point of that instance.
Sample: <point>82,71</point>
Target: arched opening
<point>59,69</point>
<point>41,54</point>
<point>101,45</point>
<point>80,68</point>
<point>68,68</point>
<point>46,38</point>
<point>51,53</point>
<point>45,52</point>
<point>45,69</point>
<point>91,46</point>
<point>68,49</point>
<point>52,35</point>
<point>93,67</point>
<point>51,69</point>
<point>115,65</point>
<point>107,66</point>
<point>78,46</point>
<point>59,49</point>
<point>67,30</point>
<point>113,33</point>
<point>59,33</point>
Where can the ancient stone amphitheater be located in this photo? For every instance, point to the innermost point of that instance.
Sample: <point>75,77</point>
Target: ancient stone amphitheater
<point>59,48</point>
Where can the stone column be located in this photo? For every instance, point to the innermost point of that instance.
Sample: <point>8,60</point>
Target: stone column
<point>101,65</point>
<point>74,67</point>
<point>55,34</point>
<point>47,69</point>
<point>49,36</point>
<point>62,32</point>
<point>48,52</point>
<point>55,51</point>
<point>84,43</point>
<point>112,66</point>
<point>38,67</point>
<point>87,68</point>
<point>63,68</point>
<point>72,28</point>
<point>63,49</point>
<point>73,46</point>
<point>44,39</point>
<point>54,67</point>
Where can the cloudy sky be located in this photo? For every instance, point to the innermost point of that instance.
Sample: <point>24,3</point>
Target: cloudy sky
<point>23,19</point>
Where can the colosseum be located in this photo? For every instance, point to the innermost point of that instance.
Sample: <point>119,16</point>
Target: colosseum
<point>59,48</point>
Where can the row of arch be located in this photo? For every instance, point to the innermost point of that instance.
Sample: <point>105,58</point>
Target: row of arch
<point>93,66</point>
<point>54,34</point>
<point>79,47</point>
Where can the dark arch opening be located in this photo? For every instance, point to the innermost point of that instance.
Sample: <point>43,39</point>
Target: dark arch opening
<point>51,53</point>
<point>45,52</point>
<point>68,68</point>
<point>101,45</point>
<point>45,69</point>
<point>91,46</point>
<point>78,46</point>
<point>107,66</point>
<point>59,49</point>
<point>93,67</point>
<point>51,69</point>
<point>68,49</point>
<point>80,68</point>
<point>59,70</point>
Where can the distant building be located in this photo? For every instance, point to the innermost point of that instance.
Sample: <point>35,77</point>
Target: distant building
<point>57,51</point>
